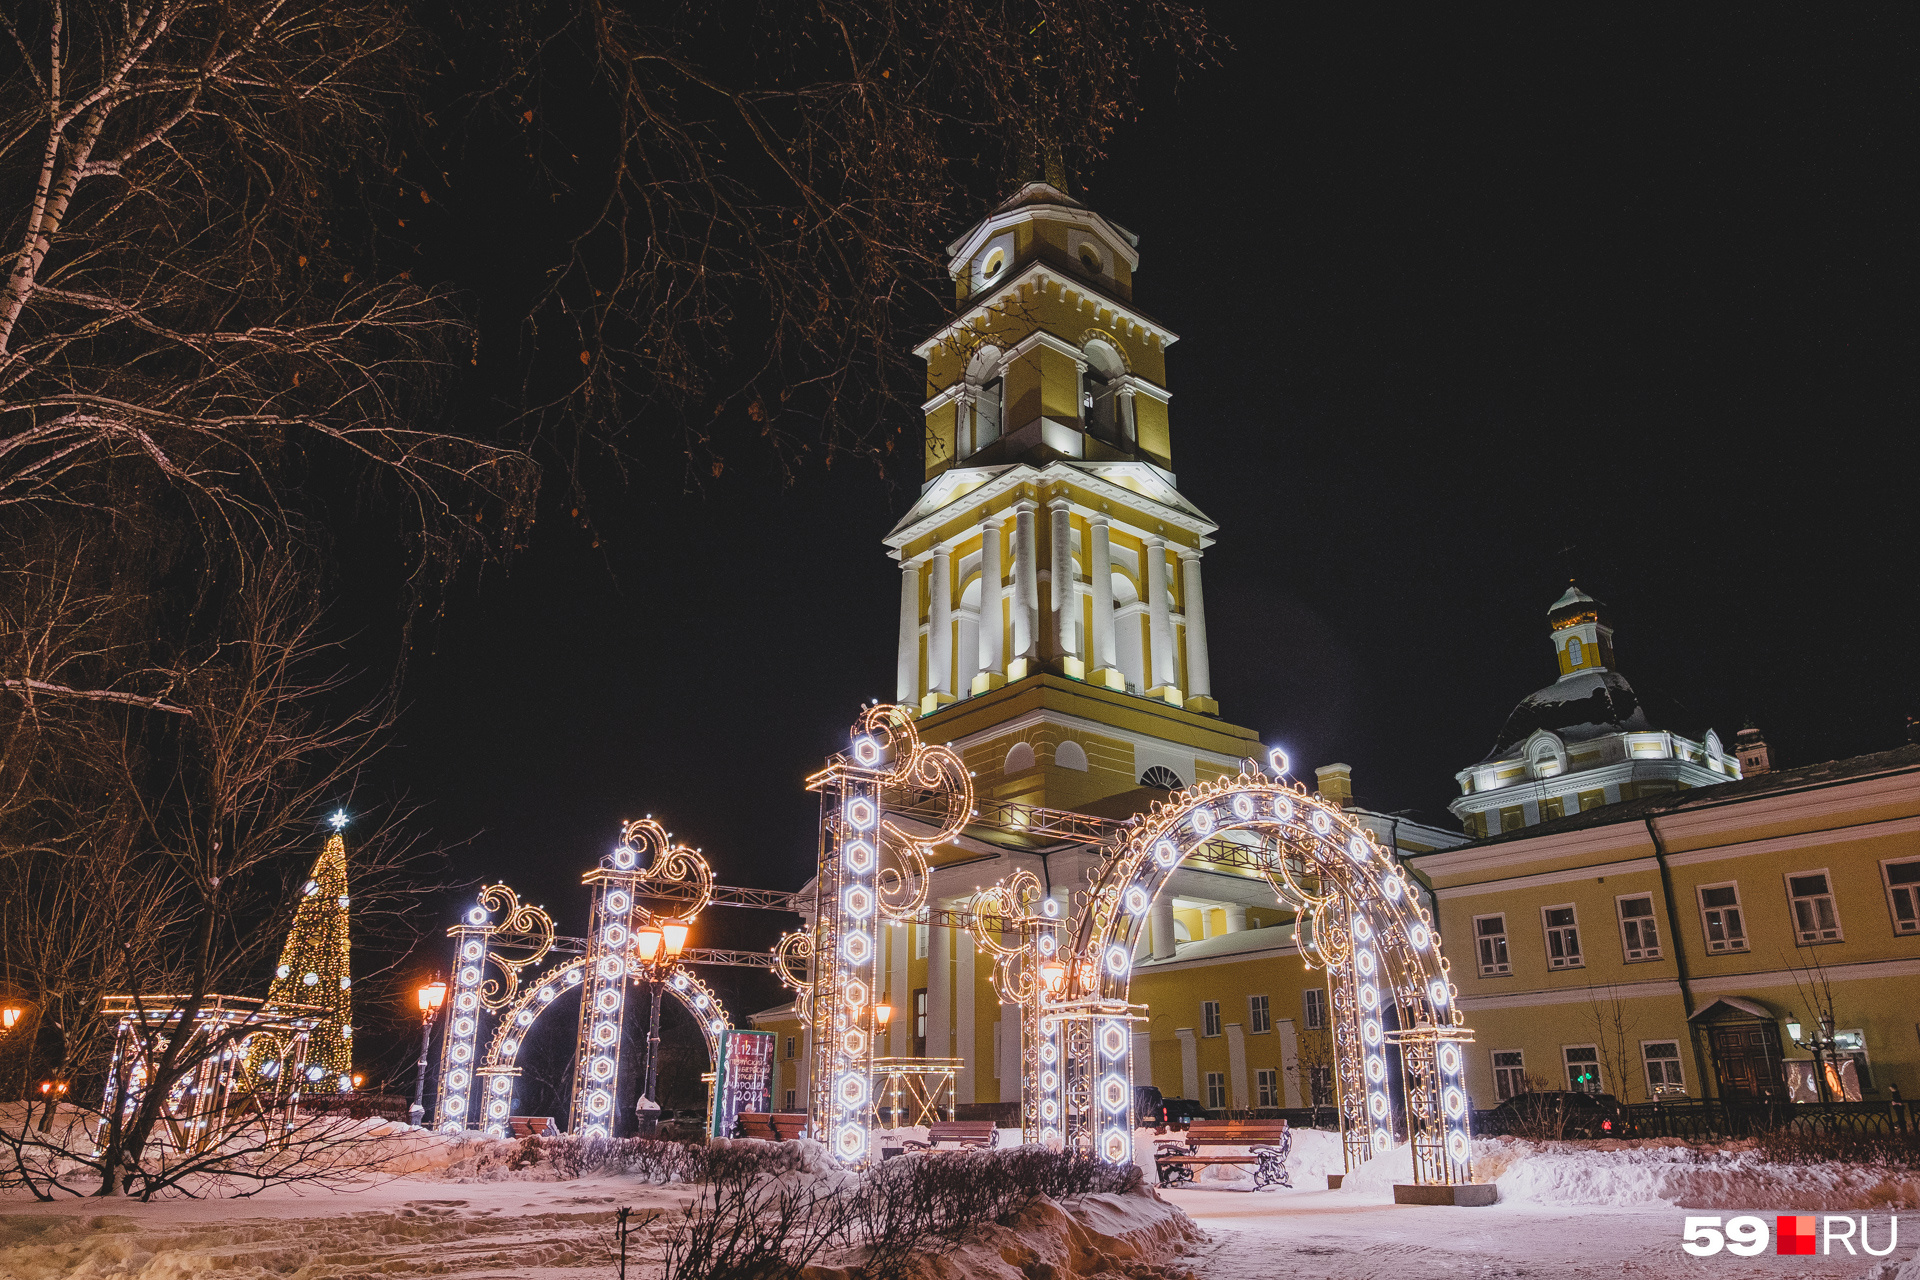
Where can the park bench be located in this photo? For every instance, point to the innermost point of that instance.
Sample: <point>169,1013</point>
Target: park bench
<point>1267,1143</point>
<point>968,1133</point>
<point>773,1126</point>
<point>530,1126</point>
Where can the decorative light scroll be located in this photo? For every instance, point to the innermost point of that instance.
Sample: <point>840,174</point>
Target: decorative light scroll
<point>519,939</point>
<point>886,802</point>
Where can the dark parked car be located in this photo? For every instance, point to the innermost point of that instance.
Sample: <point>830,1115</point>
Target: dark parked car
<point>1177,1113</point>
<point>1560,1114</point>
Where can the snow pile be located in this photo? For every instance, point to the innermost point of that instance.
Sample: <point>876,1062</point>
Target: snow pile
<point>1091,1235</point>
<point>1667,1171</point>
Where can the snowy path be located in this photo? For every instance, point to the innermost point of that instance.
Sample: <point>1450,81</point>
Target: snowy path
<point>1308,1235</point>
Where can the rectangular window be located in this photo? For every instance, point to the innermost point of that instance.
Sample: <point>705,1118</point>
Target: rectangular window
<point>1553,807</point>
<point>1663,1068</point>
<point>1320,1081</point>
<point>1592,799</point>
<point>789,1105</point>
<point>1563,938</point>
<point>790,1040</point>
<point>920,1022</point>
<point>1814,917</point>
<point>1583,1068</point>
<point>1209,1017</point>
<point>1903,893</point>
<point>1720,917</point>
<point>1216,1091</point>
<point>1267,1088</point>
<point>1259,1017</point>
<point>1512,819</point>
<point>920,942</point>
<point>1509,1073</point>
<point>1491,934</point>
<point>1315,1000</point>
<point>1638,934</point>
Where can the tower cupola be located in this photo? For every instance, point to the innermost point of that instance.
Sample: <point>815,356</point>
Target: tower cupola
<point>1580,639</point>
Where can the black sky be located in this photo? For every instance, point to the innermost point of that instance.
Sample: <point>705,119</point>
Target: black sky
<point>1470,301</point>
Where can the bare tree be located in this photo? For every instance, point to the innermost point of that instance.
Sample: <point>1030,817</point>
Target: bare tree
<point>1614,1025</point>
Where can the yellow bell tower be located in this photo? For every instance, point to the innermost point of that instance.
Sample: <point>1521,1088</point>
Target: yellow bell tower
<point>1052,620</point>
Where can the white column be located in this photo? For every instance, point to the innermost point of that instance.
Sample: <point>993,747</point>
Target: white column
<point>1100,581</point>
<point>939,992</point>
<point>1290,1079</point>
<point>1236,1066</point>
<point>966,1035</point>
<point>900,1030</point>
<point>907,680</point>
<point>1160,625</point>
<point>1206,922</point>
<point>992,616</point>
<point>1199,674</point>
<point>1143,1060</point>
<point>1236,917</point>
<point>1026,589</point>
<point>1010,1058</point>
<point>940,621</point>
<point>1163,926</point>
<point>1066,595</point>
<point>1189,1064</point>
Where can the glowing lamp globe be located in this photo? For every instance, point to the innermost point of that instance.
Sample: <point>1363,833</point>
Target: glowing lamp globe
<point>1793,1029</point>
<point>9,1016</point>
<point>1053,976</point>
<point>432,996</point>
<point>882,1015</point>
<point>647,940</point>
<point>675,936</point>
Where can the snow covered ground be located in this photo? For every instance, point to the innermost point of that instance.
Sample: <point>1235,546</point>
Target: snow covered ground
<point>1568,1211</point>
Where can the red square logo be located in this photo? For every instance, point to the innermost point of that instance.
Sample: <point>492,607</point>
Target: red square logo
<point>1794,1233</point>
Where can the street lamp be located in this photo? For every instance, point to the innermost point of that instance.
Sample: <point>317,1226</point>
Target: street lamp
<point>659,946</point>
<point>9,1016</point>
<point>1821,1045</point>
<point>431,997</point>
<point>1053,976</point>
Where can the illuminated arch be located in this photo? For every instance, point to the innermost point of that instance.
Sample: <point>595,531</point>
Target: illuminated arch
<point>516,1023</point>
<point>1360,918</point>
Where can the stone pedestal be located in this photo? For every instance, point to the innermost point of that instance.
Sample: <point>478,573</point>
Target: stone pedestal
<point>1463,1194</point>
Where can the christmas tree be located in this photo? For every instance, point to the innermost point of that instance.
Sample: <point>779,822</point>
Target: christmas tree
<point>314,966</point>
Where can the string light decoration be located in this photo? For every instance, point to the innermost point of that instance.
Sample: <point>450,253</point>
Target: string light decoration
<point>1359,918</point>
<point>316,969</point>
<point>873,872</point>
<point>475,1090</point>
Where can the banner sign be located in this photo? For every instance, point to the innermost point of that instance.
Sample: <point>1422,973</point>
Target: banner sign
<point>742,1078</point>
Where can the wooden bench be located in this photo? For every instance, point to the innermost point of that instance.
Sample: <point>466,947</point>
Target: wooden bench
<point>773,1126</point>
<point>968,1133</point>
<point>1267,1143</point>
<point>530,1126</point>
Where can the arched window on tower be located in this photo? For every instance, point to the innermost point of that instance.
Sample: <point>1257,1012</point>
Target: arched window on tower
<point>1101,413</point>
<point>1574,654</point>
<point>981,418</point>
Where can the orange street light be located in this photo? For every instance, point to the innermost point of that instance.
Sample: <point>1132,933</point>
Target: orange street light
<point>9,1016</point>
<point>882,1015</point>
<point>1053,976</point>
<point>647,940</point>
<point>676,936</point>
<point>432,996</point>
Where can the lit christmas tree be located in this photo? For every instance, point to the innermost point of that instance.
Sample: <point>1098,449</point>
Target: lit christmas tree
<point>314,966</point>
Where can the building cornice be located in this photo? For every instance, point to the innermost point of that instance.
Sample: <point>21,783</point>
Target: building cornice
<point>1040,276</point>
<point>936,508</point>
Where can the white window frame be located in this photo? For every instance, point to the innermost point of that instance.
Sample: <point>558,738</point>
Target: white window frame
<point>1259,1015</point>
<point>1567,1064</point>
<point>790,1047</point>
<point>1793,913</point>
<point>1726,946</point>
<point>1313,1008</point>
<point>789,1105</point>
<point>1210,1019</point>
<point>1266,1087</point>
<point>1216,1087</point>
<point>1576,652</point>
<point>1506,946</point>
<point>1498,1068</point>
<point>1642,953</point>
<point>920,941</point>
<point>1578,959</point>
<point>1646,1066</point>
<point>1911,892</point>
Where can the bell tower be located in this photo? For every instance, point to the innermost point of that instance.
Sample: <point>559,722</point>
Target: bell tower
<point>1051,559</point>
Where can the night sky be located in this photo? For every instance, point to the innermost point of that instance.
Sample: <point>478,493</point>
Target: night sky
<point>1469,303</point>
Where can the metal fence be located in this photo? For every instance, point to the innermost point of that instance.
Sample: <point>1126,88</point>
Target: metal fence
<point>1715,1119</point>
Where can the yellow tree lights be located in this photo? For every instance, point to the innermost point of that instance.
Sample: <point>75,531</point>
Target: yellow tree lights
<point>315,968</point>
<point>873,871</point>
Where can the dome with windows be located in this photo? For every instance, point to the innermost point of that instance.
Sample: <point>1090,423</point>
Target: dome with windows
<point>1582,741</point>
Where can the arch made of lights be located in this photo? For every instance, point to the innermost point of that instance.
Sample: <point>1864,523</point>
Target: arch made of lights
<point>517,1021</point>
<point>1359,917</point>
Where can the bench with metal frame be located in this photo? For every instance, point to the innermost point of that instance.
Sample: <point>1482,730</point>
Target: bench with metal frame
<point>967,1133</point>
<point>1268,1143</point>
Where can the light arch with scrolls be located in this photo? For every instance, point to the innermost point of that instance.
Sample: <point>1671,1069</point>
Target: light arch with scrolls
<point>1359,917</point>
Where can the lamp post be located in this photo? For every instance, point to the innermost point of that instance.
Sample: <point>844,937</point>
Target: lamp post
<point>659,946</point>
<point>9,1016</point>
<point>432,996</point>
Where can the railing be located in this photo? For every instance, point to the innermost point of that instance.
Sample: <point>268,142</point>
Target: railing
<point>1713,1119</point>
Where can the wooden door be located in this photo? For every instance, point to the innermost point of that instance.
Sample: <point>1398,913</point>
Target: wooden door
<point>1746,1057</point>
